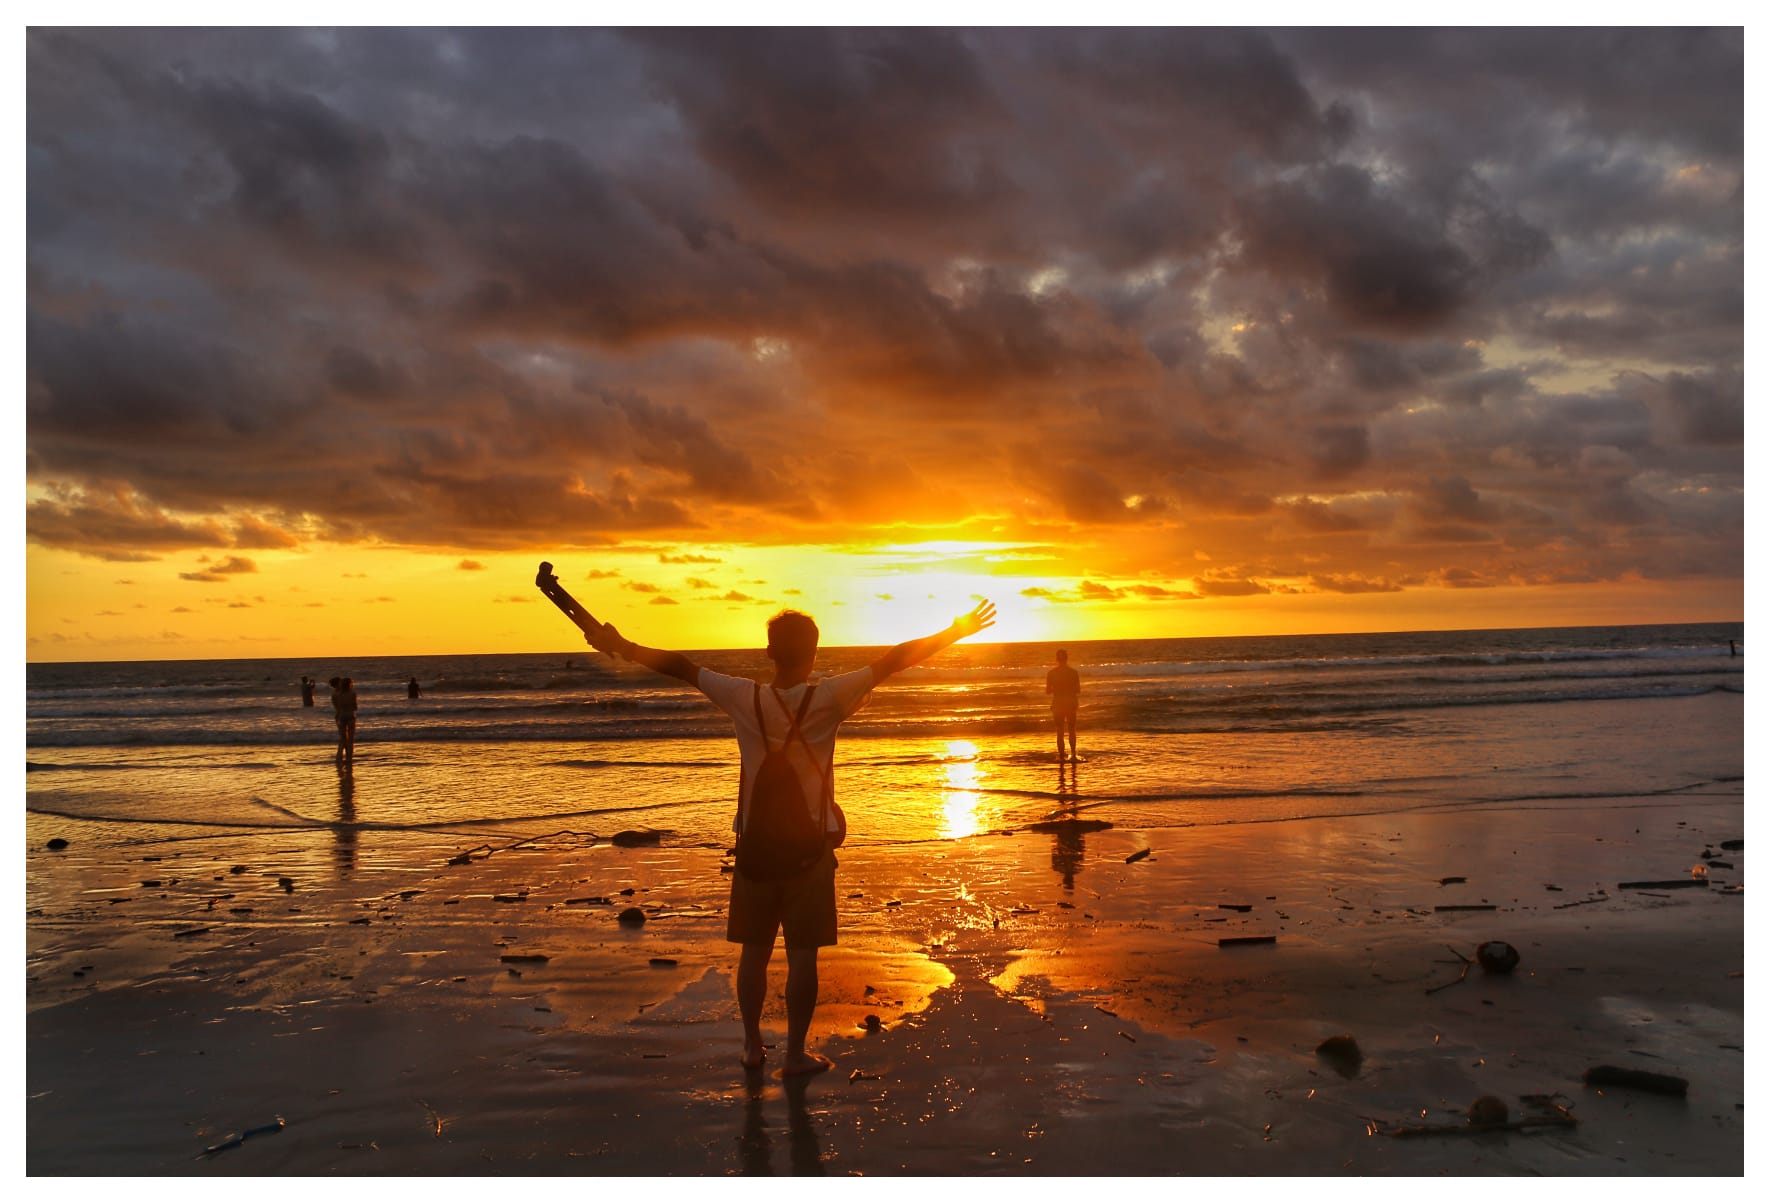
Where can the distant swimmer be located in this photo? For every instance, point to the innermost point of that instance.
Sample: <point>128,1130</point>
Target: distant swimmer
<point>1064,685</point>
<point>344,714</point>
<point>308,685</point>
<point>412,689</point>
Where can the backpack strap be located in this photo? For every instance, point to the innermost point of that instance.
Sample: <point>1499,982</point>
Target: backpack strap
<point>824,796</point>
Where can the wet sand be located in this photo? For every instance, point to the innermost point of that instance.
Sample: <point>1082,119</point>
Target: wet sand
<point>1043,1006</point>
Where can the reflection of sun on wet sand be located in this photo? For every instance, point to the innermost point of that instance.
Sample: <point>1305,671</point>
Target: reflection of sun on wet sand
<point>1060,1010</point>
<point>434,963</point>
<point>962,809</point>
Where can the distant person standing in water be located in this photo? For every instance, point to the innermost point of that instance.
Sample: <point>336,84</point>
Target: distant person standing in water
<point>412,690</point>
<point>344,714</point>
<point>1064,685</point>
<point>307,688</point>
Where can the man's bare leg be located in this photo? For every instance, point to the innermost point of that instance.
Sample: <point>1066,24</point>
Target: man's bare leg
<point>752,992</point>
<point>801,1002</point>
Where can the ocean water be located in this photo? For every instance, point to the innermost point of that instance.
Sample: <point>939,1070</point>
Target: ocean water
<point>1174,732</point>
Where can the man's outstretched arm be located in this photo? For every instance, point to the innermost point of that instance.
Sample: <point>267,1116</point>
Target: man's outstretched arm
<point>671,664</point>
<point>913,652</point>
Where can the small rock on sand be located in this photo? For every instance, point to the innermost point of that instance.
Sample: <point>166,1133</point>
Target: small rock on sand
<point>631,915</point>
<point>57,843</point>
<point>1497,956</point>
<point>1487,1111</point>
<point>636,839</point>
<point>1341,1051</point>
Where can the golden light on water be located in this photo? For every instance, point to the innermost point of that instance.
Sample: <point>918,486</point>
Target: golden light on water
<point>960,803</point>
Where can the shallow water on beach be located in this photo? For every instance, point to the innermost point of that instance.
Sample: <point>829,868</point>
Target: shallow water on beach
<point>897,789</point>
<point>215,822</point>
<point>186,837</point>
<point>1028,951</point>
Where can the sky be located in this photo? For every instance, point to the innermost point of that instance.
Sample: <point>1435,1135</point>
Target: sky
<point>331,335</point>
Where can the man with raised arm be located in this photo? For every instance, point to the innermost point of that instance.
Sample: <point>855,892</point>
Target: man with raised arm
<point>802,908</point>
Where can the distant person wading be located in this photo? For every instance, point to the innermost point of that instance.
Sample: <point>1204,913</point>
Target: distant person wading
<point>344,714</point>
<point>1064,685</point>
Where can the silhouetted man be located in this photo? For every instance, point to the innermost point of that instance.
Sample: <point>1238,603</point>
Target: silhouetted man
<point>802,908</point>
<point>1064,685</point>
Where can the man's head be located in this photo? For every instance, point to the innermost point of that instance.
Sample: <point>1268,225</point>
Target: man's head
<point>1062,656</point>
<point>792,640</point>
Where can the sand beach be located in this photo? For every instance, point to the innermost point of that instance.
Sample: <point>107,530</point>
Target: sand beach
<point>1045,1005</point>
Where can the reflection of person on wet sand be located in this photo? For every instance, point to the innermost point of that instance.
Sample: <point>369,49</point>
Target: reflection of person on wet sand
<point>804,1155</point>
<point>344,714</point>
<point>1064,685</point>
<point>801,907</point>
<point>1067,845</point>
<point>346,826</point>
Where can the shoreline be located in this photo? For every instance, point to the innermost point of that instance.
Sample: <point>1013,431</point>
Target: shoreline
<point>1045,1009</point>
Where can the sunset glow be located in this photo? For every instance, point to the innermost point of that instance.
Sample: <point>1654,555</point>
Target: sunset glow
<point>333,335</point>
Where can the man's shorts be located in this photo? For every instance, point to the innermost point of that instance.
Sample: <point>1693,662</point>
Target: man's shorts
<point>802,908</point>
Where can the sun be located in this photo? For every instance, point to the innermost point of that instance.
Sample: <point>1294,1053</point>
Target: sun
<point>908,590</point>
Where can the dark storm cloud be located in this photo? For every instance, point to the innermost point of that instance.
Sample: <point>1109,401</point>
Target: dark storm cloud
<point>1217,290</point>
<point>883,125</point>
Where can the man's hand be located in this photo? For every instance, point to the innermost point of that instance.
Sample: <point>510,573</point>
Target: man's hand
<point>969,624</point>
<point>607,639</point>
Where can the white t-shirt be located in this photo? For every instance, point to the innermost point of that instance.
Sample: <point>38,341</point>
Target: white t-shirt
<point>836,698</point>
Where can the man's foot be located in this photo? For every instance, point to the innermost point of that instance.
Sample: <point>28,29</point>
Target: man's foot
<point>754,1054</point>
<point>806,1063</point>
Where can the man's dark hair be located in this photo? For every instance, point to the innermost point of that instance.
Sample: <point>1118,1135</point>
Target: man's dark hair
<point>1062,654</point>
<point>792,637</point>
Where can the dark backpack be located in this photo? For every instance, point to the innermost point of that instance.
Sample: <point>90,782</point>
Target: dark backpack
<point>780,839</point>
